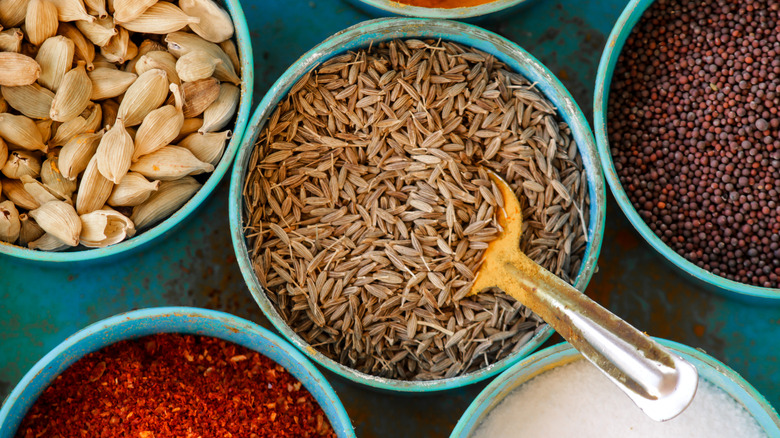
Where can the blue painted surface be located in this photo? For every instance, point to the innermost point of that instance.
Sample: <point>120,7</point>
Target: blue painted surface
<point>195,266</point>
<point>622,29</point>
<point>185,320</point>
<point>710,370</point>
<point>370,33</point>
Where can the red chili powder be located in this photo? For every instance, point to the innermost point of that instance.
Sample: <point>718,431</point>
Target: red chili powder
<point>172,385</point>
<point>445,4</point>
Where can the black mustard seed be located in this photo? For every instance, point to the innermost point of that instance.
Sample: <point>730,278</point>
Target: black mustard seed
<point>693,127</point>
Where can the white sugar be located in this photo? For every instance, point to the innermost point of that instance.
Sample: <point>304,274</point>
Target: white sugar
<point>576,400</point>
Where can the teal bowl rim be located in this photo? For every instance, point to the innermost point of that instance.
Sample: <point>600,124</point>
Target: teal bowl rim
<point>186,320</point>
<point>711,369</point>
<point>617,38</point>
<point>443,13</point>
<point>382,29</point>
<point>244,45</point>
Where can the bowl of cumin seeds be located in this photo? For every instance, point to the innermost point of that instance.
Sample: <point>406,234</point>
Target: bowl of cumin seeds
<point>360,204</point>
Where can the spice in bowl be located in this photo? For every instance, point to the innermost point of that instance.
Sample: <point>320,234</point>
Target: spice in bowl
<point>694,132</point>
<point>444,4</point>
<point>578,400</point>
<point>106,116</point>
<point>369,207</point>
<point>175,385</point>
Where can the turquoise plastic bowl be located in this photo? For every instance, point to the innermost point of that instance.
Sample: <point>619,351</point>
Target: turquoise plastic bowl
<point>617,38</point>
<point>187,320</point>
<point>487,10</point>
<point>158,232</point>
<point>710,369</point>
<point>373,32</point>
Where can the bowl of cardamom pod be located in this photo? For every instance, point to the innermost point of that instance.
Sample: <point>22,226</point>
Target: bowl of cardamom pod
<point>361,207</point>
<point>117,120</point>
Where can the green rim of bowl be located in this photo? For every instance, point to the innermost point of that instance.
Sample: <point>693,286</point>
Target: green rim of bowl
<point>443,13</point>
<point>383,29</point>
<point>244,45</point>
<point>561,354</point>
<point>617,38</point>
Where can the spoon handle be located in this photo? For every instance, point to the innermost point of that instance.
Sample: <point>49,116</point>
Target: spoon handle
<point>660,383</point>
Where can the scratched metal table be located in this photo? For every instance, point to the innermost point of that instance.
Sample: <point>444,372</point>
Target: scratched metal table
<point>40,306</point>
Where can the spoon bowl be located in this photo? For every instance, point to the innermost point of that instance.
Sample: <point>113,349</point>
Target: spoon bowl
<point>661,383</point>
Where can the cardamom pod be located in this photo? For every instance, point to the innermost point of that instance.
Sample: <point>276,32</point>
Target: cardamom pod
<point>215,24</point>
<point>128,10</point>
<point>134,189</point>
<point>88,121</point>
<point>109,82</point>
<point>30,230</point>
<point>71,10</point>
<point>3,152</point>
<point>190,125</point>
<point>159,127</point>
<point>101,61</point>
<point>171,196</point>
<point>219,113</point>
<point>229,47</point>
<point>12,12</point>
<point>21,131</point>
<point>31,100</point>
<point>121,48</point>
<point>199,95</point>
<point>44,127</point>
<point>94,189</point>
<point>181,43</point>
<point>98,31</point>
<point>38,191</point>
<point>41,22</point>
<point>170,163</point>
<point>13,189</point>
<point>60,220</point>
<point>17,69</point>
<point>196,65</point>
<point>55,57</point>
<point>101,228</point>
<point>55,181</point>
<point>147,93</point>
<point>207,147</point>
<point>21,163</point>
<point>160,18</point>
<point>11,40</point>
<point>9,222</point>
<point>110,108</point>
<point>114,152</point>
<point>84,50</point>
<point>72,97</point>
<point>48,242</point>
<point>76,154</point>
<point>158,59</point>
<point>148,45</point>
<point>96,7</point>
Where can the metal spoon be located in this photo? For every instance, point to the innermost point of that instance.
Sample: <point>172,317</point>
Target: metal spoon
<point>661,383</point>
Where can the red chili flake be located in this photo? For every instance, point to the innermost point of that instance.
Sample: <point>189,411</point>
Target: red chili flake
<point>172,385</point>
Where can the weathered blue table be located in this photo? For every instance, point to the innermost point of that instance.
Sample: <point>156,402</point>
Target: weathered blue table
<point>196,267</point>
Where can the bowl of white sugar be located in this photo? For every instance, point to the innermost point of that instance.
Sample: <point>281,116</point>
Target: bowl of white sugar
<point>557,393</point>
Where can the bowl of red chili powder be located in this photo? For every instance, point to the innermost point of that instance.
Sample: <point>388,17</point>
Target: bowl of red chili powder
<point>687,121</point>
<point>174,371</point>
<point>449,9</point>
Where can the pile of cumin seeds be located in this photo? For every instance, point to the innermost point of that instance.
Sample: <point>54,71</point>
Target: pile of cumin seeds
<point>368,206</point>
